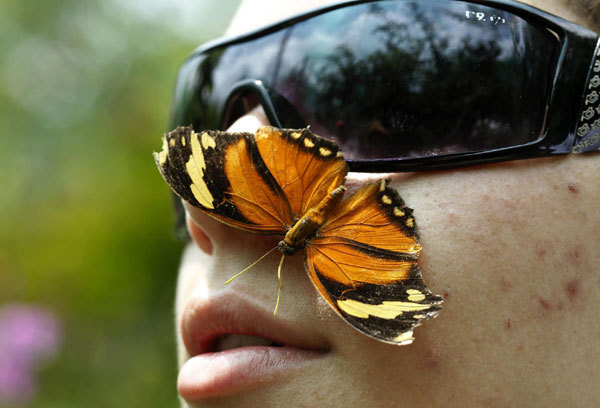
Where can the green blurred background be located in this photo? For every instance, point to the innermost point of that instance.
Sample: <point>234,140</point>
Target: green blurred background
<point>85,221</point>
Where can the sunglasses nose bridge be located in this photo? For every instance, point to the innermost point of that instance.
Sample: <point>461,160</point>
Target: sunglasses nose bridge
<point>255,88</point>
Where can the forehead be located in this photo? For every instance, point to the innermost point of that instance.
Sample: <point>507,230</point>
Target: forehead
<point>253,14</point>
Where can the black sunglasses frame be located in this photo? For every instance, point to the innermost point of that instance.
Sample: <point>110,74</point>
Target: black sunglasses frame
<point>572,119</point>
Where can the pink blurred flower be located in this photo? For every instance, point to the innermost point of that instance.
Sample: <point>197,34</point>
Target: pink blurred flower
<point>29,336</point>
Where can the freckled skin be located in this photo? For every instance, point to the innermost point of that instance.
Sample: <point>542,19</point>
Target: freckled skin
<point>544,303</point>
<point>515,253</point>
<point>505,284</point>
<point>572,288</point>
<point>573,188</point>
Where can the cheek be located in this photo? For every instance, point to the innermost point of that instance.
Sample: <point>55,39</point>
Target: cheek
<point>509,249</point>
<point>489,229</point>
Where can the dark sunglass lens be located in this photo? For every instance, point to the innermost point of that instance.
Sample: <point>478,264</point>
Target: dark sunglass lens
<point>417,78</point>
<point>387,79</point>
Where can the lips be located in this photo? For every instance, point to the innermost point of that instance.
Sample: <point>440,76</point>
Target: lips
<point>235,344</point>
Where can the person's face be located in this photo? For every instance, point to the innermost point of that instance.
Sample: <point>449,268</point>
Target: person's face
<point>512,247</point>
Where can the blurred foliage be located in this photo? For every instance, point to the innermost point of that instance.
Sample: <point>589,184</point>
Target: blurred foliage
<point>85,226</point>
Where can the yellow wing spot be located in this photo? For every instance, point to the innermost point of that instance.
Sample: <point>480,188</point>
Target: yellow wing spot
<point>419,316</point>
<point>164,153</point>
<point>308,143</point>
<point>172,142</point>
<point>398,212</point>
<point>405,338</point>
<point>386,310</point>
<point>415,295</point>
<point>382,186</point>
<point>195,168</point>
<point>324,151</point>
<point>414,248</point>
<point>385,199</point>
<point>266,131</point>
<point>183,141</point>
<point>208,141</point>
<point>339,154</point>
<point>410,222</point>
<point>296,135</point>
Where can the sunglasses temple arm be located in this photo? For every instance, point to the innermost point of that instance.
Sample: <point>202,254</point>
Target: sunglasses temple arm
<point>587,138</point>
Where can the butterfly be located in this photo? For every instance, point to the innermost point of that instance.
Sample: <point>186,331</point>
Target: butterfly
<point>361,254</point>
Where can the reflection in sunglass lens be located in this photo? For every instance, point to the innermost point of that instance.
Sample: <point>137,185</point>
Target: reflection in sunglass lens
<point>397,79</point>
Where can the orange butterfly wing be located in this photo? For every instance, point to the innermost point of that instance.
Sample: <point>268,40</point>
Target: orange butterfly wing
<point>239,179</point>
<point>306,167</point>
<point>364,262</point>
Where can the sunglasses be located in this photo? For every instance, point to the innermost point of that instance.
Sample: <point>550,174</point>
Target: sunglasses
<point>405,85</point>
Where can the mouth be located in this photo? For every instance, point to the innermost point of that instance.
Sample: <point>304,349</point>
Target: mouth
<point>232,341</point>
<point>235,345</point>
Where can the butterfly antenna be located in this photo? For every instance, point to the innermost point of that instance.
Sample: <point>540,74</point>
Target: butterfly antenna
<point>253,263</point>
<point>279,279</point>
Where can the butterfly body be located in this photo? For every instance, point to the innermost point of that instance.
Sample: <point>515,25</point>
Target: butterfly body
<point>297,237</point>
<point>361,253</point>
